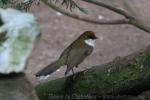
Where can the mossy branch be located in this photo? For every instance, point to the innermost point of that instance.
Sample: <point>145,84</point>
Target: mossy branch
<point>123,76</point>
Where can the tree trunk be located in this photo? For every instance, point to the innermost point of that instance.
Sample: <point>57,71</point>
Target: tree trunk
<point>122,78</point>
<point>16,87</point>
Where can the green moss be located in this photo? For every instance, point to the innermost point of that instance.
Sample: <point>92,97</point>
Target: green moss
<point>46,90</point>
<point>111,78</point>
<point>20,46</point>
<point>130,71</point>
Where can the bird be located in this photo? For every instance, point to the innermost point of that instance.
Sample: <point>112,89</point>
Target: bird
<point>73,55</point>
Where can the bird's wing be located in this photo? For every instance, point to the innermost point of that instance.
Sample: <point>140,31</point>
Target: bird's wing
<point>77,55</point>
<point>64,56</point>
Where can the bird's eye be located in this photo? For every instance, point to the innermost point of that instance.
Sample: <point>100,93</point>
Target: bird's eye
<point>89,37</point>
<point>86,37</point>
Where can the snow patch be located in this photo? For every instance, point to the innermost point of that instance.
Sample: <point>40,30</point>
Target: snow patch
<point>22,31</point>
<point>59,14</point>
<point>42,78</point>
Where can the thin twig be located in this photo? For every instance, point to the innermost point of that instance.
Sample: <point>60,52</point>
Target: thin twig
<point>133,20</point>
<point>129,18</point>
<point>87,19</point>
<point>116,10</point>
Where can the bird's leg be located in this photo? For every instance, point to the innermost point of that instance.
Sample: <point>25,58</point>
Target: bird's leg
<point>73,76</point>
<point>73,71</point>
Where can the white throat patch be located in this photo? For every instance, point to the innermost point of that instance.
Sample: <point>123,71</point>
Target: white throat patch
<point>90,42</point>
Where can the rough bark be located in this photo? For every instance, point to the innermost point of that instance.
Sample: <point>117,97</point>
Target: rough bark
<point>16,87</point>
<point>123,76</point>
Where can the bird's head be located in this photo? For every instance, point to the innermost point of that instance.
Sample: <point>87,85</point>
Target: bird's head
<point>89,38</point>
<point>89,35</point>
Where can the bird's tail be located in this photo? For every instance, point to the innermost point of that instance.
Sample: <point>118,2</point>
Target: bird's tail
<point>49,69</point>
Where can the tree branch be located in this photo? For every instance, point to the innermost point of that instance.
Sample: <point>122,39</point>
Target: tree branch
<point>138,20</point>
<point>116,10</point>
<point>86,19</point>
<point>128,4</point>
<point>133,17</point>
<point>122,76</point>
<point>129,18</point>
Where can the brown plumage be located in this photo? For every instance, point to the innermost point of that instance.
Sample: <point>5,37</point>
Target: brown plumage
<point>72,56</point>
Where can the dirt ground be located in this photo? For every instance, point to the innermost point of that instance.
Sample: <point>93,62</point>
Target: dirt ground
<point>58,31</point>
